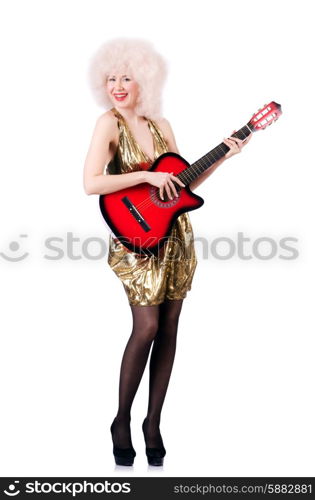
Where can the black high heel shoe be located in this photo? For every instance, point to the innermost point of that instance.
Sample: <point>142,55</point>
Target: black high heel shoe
<point>155,456</point>
<point>123,456</point>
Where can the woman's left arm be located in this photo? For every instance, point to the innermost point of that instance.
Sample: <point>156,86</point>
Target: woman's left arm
<point>236,145</point>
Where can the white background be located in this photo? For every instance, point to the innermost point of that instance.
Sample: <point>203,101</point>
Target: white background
<point>240,400</point>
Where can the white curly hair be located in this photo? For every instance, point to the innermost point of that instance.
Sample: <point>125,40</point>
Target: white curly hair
<point>137,57</point>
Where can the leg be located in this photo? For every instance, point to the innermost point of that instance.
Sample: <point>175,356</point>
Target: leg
<point>145,325</point>
<point>161,364</point>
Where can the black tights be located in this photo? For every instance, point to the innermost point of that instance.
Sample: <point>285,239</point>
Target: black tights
<point>157,324</point>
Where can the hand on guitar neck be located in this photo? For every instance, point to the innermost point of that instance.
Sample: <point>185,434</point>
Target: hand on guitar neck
<point>235,144</point>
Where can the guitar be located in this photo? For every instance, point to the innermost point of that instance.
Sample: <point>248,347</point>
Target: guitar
<point>141,220</point>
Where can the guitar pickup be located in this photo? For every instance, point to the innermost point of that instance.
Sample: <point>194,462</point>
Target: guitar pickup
<point>136,214</point>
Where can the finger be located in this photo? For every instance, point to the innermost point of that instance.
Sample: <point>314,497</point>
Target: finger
<point>228,142</point>
<point>173,188</point>
<point>161,193</point>
<point>177,180</point>
<point>165,176</point>
<point>236,139</point>
<point>167,189</point>
<point>235,144</point>
<point>232,145</point>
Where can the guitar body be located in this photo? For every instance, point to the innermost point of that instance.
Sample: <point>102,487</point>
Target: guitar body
<point>139,218</point>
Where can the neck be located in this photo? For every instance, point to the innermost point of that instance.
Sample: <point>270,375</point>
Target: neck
<point>205,162</point>
<point>129,115</point>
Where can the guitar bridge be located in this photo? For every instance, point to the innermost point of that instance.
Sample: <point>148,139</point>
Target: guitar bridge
<point>136,214</point>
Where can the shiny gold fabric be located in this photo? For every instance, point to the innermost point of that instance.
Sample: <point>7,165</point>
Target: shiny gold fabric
<point>149,280</point>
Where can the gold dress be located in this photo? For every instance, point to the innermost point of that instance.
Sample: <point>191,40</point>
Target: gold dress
<point>149,280</point>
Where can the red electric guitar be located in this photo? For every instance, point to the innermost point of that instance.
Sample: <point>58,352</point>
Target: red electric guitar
<point>141,220</point>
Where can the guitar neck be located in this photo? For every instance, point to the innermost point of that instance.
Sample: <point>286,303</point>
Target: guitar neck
<point>205,162</point>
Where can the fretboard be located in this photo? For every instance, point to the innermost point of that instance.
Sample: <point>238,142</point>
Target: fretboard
<point>206,161</point>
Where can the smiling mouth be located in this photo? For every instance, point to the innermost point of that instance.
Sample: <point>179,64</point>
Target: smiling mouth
<point>120,97</point>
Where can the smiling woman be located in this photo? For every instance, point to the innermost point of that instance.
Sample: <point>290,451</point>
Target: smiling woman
<point>126,76</point>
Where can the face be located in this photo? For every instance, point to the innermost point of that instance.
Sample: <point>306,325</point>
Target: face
<point>122,89</point>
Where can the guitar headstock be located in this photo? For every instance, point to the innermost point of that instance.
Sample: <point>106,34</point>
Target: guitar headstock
<point>265,116</point>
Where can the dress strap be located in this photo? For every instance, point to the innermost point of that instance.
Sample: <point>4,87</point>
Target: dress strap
<point>120,118</point>
<point>157,134</point>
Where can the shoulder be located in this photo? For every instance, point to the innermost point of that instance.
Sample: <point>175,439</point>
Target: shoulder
<point>106,119</point>
<point>168,134</point>
<point>165,126</point>
<point>106,123</point>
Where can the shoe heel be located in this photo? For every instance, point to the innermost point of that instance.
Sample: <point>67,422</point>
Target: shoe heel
<point>156,461</point>
<point>123,460</point>
<point>124,456</point>
<point>155,456</point>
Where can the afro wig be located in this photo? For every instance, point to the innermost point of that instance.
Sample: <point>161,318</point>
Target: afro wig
<point>138,58</point>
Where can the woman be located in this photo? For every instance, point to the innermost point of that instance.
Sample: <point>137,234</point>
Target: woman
<point>127,76</point>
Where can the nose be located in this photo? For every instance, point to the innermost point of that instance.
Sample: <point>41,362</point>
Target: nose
<point>119,85</point>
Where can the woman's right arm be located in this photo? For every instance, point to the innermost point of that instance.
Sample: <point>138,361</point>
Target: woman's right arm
<point>101,152</point>
<point>99,155</point>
